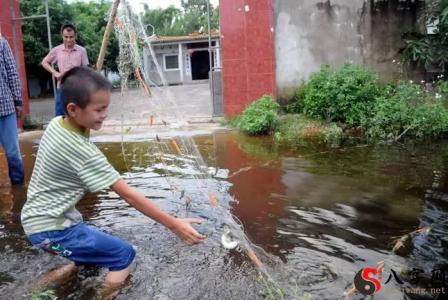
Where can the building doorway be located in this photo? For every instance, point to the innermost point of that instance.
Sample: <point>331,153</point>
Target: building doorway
<point>200,65</point>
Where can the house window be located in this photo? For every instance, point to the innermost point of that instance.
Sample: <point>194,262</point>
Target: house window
<point>170,62</point>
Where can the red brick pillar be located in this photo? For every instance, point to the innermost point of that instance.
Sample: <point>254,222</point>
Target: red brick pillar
<point>11,30</point>
<point>247,52</point>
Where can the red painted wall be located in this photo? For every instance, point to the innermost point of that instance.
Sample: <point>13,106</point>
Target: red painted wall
<point>248,56</point>
<point>12,31</point>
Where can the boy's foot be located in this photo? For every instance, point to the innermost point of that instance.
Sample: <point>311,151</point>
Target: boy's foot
<point>109,290</point>
<point>57,276</point>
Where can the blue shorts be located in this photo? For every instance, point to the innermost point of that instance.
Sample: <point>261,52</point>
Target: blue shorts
<point>86,245</point>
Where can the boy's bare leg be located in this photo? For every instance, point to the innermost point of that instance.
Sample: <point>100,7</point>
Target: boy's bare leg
<point>118,276</point>
<point>113,282</point>
<point>58,276</point>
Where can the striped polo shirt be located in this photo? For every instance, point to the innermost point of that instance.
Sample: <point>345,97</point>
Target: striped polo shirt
<point>67,166</point>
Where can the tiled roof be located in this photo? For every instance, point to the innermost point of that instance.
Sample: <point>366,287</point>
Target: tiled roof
<point>185,38</point>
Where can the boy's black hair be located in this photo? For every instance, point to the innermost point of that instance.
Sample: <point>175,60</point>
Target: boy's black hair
<point>78,84</point>
<point>68,25</point>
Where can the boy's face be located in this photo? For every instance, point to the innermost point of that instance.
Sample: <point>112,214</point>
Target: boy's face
<point>93,115</point>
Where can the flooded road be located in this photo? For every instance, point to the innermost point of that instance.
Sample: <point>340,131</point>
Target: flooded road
<point>315,217</point>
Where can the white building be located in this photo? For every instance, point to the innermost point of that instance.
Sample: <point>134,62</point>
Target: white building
<point>183,59</point>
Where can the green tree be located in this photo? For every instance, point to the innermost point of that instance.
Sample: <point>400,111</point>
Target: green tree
<point>166,21</point>
<point>172,21</point>
<point>35,37</point>
<point>195,16</point>
<point>90,18</point>
<point>430,49</point>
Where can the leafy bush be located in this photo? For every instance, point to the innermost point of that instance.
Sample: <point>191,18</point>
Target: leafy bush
<point>233,121</point>
<point>430,50</point>
<point>260,117</point>
<point>295,106</point>
<point>442,89</point>
<point>406,109</point>
<point>44,294</point>
<point>346,95</point>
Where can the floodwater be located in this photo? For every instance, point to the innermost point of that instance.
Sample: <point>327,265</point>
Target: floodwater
<point>315,216</point>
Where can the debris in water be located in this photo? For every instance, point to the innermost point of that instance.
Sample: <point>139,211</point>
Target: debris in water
<point>240,171</point>
<point>187,202</point>
<point>352,290</point>
<point>213,200</point>
<point>245,169</point>
<point>404,242</point>
<point>176,146</point>
<point>161,158</point>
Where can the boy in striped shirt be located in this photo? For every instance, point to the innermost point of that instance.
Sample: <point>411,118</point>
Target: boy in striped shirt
<point>67,166</point>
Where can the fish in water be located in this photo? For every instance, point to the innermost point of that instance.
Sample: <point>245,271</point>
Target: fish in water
<point>227,240</point>
<point>254,258</point>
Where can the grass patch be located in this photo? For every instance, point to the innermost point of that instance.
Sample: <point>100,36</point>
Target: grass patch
<point>297,129</point>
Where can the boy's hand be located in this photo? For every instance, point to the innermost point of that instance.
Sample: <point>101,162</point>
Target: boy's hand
<point>186,232</point>
<point>181,227</point>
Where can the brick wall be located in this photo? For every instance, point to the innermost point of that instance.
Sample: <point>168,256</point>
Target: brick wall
<point>247,52</point>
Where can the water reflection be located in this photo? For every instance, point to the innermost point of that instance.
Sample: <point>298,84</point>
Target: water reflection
<point>259,191</point>
<point>325,212</point>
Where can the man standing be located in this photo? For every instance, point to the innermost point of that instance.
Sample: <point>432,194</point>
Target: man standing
<point>10,110</point>
<point>66,56</point>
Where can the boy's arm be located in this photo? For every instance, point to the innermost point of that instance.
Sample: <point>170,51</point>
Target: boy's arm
<point>181,227</point>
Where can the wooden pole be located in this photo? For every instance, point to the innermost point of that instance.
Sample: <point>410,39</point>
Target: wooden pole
<point>109,26</point>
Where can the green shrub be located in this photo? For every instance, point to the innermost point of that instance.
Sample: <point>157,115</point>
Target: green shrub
<point>407,109</point>
<point>295,106</point>
<point>442,89</point>
<point>430,120</point>
<point>260,117</point>
<point>232,121</point>
<point>44,294</point>
<point>346,95</point>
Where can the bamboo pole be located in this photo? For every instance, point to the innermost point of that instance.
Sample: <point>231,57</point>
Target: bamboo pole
<point>109,26</point>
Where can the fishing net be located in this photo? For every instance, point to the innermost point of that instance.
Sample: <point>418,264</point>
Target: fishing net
<point>179,154</point>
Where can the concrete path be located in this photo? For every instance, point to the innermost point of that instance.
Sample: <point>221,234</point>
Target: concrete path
<point>191,103</point>
<point>179,110</point>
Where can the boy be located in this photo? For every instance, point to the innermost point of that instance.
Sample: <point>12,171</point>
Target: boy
<point>67,166</point>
